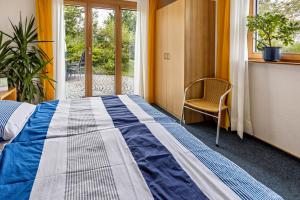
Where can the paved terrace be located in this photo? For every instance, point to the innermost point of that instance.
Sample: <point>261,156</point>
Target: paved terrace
<point>102,85</point>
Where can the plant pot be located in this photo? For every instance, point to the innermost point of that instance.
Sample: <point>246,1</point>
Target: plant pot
<point>272,54</point>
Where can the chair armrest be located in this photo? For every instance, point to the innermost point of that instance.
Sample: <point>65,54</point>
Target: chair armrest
<point>223,98</point>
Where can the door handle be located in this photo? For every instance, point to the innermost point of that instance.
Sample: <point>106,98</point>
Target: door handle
<point>165,56</point>
<point>168,56</point>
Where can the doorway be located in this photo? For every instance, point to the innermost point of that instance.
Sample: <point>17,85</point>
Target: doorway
<point>100,41</point>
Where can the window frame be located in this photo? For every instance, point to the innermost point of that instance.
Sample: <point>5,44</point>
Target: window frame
<point>286,57</point>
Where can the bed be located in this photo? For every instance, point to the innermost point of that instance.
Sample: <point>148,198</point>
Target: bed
<point>116,147</point>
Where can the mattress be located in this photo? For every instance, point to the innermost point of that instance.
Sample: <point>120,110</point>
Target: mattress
<point>116,147</point>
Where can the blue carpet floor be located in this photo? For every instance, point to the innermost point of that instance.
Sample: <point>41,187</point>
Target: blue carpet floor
<point>274,168</point>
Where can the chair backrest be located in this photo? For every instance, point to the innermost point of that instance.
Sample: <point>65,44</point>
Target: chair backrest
<point>82,59</point>
<point>214,89</point>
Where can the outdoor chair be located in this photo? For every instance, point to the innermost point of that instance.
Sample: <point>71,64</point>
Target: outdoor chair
<point>212,103</point>
<point>75,68</point>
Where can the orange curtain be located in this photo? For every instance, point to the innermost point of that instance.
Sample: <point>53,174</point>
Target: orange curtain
<point>44,29</point>
<point>223,39</point>
<point>151,48</point>
<point>223,46</point>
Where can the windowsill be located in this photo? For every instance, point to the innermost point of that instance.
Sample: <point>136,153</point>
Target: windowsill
<point>278,62</point>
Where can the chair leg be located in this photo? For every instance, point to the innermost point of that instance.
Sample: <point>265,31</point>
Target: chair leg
<point>218,128</point>
<point>78,74</point>
<point>182,116</point>
<point>229,118</point>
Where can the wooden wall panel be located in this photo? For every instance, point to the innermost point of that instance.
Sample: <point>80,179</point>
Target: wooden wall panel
<point>199,48</point>
<point>212,36</point>
<point>199,60</point>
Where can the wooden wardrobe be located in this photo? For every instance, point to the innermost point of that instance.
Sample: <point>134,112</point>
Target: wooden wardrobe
<point>185,49</point>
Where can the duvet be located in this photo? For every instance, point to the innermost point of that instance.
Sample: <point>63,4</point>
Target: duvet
<point>116,147</point>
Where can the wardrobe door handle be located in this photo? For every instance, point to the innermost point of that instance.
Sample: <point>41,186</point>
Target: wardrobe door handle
<point>165,56</point>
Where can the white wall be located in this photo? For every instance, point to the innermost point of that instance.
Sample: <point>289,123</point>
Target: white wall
<point>275,104</point>
<point>10,9</point>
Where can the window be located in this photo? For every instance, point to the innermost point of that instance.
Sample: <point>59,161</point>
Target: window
<point>291,9</point>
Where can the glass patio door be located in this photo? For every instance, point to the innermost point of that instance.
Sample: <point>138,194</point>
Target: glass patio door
<point>103,52</point>
<point>128,49</point>
<point>75,26</point>
<point>100,48</point>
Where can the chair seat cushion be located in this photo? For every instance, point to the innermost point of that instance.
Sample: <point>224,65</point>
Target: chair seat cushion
<point>204,105</point>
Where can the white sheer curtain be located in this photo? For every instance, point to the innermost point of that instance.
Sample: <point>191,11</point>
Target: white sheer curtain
<point>59,47</point>
<point>241,118</point>
<point>141,50</point>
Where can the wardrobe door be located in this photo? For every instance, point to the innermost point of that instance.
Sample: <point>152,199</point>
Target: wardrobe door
<point>175,67</point>
<point>161,57</point>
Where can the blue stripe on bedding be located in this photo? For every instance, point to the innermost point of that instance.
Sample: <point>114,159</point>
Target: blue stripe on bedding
<point>116,108</point>
<point>243,184</point>
<point>163,175</point>
<point>38,125</point>
<point>19,160</point>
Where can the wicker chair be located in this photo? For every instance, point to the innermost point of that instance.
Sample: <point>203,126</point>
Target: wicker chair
<point>213,101</point>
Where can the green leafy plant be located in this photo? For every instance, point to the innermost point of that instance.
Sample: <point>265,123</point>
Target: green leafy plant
<point>25,62</point>
<point>103,40</point>
<point>273,29</point>
<point>4,53</point>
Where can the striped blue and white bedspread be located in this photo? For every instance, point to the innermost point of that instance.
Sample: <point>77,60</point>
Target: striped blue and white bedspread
<point>116,147</point>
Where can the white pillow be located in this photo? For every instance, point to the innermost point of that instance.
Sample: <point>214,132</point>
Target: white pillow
<point>13,117</point>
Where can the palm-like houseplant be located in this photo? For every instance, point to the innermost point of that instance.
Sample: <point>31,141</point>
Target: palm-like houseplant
<point>25,62</point>
<point>272,29</point>
<point>4,53</point>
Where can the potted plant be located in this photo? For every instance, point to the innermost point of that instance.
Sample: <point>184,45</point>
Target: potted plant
<point>24,62</point>
<point>4,53</point>
<point>271,30</point>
